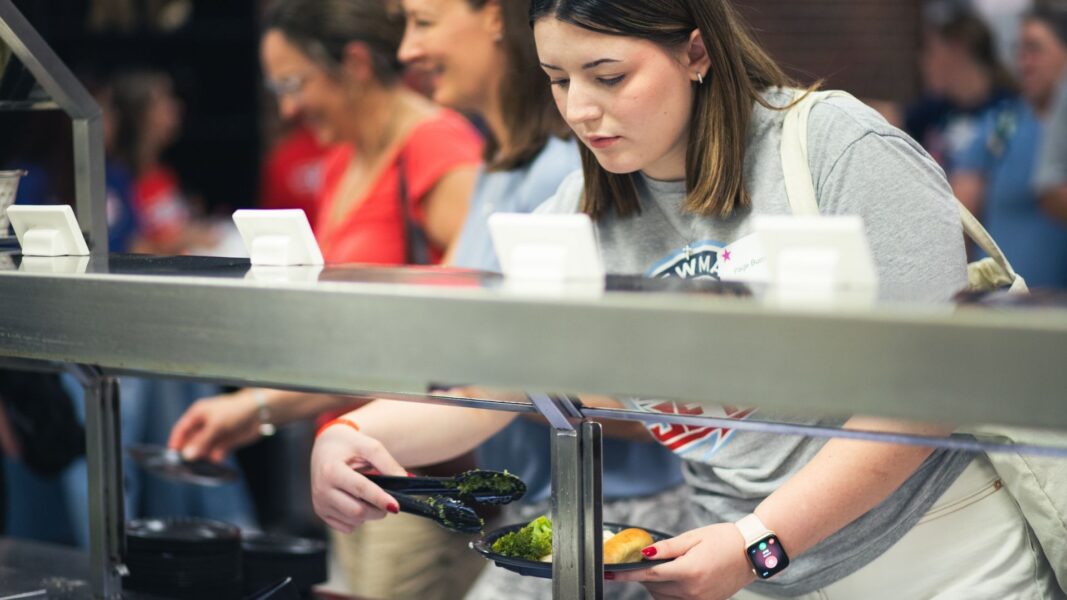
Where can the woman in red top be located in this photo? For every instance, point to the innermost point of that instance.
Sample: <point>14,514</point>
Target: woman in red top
<point>395,191</point>
<point>398,158</point>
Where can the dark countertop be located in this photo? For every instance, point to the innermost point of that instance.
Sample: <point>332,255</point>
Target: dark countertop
<point>61,572</point>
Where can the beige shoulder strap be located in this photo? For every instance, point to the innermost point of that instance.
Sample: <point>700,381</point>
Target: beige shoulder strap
<point>993,272</point>
<point>799,186</point>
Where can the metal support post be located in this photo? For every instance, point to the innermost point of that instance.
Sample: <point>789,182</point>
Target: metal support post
<point>86,121</point>
<point>577,518</point>
<point>592,452</point>
<point>107,522</point>
<point>568,540</point>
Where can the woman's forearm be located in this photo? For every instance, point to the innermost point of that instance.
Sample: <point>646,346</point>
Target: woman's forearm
<point>424,434</point>
<point>286,407</point>
<point>846,479</point>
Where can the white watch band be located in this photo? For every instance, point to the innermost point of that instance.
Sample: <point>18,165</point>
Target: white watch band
<point>752,529</point>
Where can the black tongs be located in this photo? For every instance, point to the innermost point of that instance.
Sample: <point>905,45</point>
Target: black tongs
<point>443,503</point>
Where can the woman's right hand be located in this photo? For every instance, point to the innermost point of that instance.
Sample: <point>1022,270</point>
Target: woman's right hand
<point>342,497</point>
<point>212,427</point>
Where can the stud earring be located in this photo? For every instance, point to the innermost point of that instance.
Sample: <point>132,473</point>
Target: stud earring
<point>700,78</point>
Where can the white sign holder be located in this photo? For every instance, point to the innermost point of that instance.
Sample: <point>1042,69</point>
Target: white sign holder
<point>47,230</point>
<point>548,254</point>
<point>278,238</point>
<point>818,260</point>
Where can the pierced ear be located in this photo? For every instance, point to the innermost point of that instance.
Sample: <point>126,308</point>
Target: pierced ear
<point>697,55</point>
<point>494,19</point>
<point>357,62</point>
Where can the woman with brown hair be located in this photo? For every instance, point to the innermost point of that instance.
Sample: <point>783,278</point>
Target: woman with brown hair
<point>396,188</point>
<point>332,64</point>
<point>963,81</point>
<point>482,60</point>
<point>680,114</point>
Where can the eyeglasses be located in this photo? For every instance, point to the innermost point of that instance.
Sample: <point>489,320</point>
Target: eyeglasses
<point>287,86</point>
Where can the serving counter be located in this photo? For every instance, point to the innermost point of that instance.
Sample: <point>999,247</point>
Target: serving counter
<point>394,333</point>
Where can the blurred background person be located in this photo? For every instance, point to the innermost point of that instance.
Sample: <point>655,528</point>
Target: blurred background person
<point>1051,176</point>
<point>148,122</point>
<point>962,77</point>
<point>123,224</point>
<point>52,504</point>
<point>146,117</point>
<point>483,61</point>
<point>1004,18</point>
<point>994,176</point>
<point>398,161</point>
<point>396,184</point>
<point>292,173</point>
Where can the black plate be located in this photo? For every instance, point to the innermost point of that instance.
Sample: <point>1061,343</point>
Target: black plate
<point>535,568</point>
<point>182,535</point>
<point>273,544</point>
<point>164,462</point>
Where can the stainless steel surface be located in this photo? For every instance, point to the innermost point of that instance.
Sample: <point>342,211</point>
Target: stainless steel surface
<point>27,566</point>
<point>65,90</point>
<point>27,105</point>
<point>963,443</point>
<point>592,549</point>
<point>577,516</point>
<point>398,331</point>
<point>89,187</point>
<point>567,533</point>
<point>200,318</point>
<point>551,410</point>
<point>103,448</point>
<point>62,571</point>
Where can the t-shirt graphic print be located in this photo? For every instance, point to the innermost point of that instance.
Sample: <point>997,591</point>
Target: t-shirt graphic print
<point>698,261</point>
<point>701,260</point>
<point>693,442</point>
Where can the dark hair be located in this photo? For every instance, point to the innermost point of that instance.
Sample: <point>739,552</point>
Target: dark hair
<point>962,26</point>
<point>132,97</point>
<point>526,104</point>
<point>322,29</point>
<point>1052,13</point>
<point>740,72</point>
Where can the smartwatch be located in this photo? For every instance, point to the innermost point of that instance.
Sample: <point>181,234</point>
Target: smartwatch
<point>763,549</point>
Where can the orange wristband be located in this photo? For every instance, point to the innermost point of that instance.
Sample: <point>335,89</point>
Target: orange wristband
<point>337,421</point>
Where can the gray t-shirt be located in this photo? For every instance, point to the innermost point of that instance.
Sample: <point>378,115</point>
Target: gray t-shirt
<point>860,166</point>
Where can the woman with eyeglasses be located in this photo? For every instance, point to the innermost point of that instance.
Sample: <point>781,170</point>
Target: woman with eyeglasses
<point>332,64</point>
<point>395,191</point>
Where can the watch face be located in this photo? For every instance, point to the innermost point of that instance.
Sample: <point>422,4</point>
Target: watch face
<point>767,556</point>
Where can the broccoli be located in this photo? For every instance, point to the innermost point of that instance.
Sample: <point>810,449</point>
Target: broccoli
<point>531,542</point>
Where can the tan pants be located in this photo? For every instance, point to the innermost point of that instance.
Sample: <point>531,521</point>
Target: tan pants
<point>403,556</point>
<point>972,544</point>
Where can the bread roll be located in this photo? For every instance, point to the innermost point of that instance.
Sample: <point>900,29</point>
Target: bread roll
<point>626,546</point>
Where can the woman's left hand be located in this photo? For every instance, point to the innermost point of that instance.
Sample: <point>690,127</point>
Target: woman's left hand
<point>709,564</point>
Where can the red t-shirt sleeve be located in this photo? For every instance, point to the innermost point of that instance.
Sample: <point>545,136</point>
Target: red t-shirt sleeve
<point>441,145</point>
<point>292,174</point>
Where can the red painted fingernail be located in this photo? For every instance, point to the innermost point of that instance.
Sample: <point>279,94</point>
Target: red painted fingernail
<point>649,552</point>
<point>393,508</point>
<point>609,575</point>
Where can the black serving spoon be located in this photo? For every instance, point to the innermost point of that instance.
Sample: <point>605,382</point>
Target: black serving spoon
<point>446,512</point>
<point>483,487</point>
